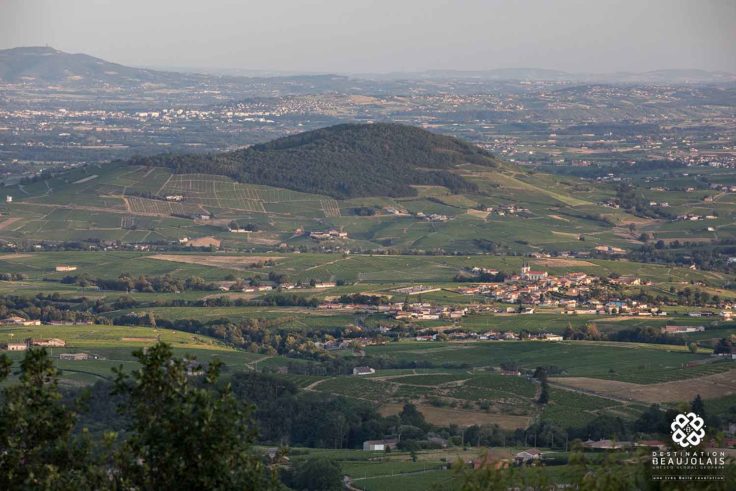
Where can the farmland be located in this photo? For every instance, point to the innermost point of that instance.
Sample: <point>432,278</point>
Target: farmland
<point>134,204</point>
<point>113,347</point>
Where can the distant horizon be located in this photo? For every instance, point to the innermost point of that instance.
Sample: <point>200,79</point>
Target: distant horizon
<point>381,36</point>
<point>236,71</point>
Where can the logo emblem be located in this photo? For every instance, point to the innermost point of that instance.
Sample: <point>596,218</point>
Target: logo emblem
<point>688,430</point>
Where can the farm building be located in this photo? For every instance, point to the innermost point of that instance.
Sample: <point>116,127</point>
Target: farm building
<point>65,268</point>
<point>363,371</point>
<point>204,242</point>
<point>682,329</point>
<point>379,445</point>
<point>74,356</point>
<point>20,321</point>
<point>14,346</point>
<point>50,342</point>
<point>528,456</point>
<point>606,444</point>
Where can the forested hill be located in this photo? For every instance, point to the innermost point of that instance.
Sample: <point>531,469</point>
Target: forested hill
<point>343,161</point>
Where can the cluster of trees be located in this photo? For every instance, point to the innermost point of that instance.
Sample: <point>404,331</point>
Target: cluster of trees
<point>467,276</point>
<point>344,161</point>
<point>712,256</point>
<point>298,418</point>
<point>640,334</point>
<point>178,433</point>
<point>250,227</point>
<point>646,334</point>
<point>687,296</point>
<point>541,375</point>
<point>143,283</point>
<point>360,298</point>
<point>48,308</point>
<point>13,277</point>
<point>587,332</point>
<point>631,200</point>
<point>255,335</point>
<point>286,300</point>
<point>175,430</point>
<point>362,211</point>
<point>724,347</point>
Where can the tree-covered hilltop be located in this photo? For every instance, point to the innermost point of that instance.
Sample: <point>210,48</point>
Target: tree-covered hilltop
<point>344,161</point>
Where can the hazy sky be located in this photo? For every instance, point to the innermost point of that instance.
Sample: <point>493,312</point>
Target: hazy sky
<point>383,35</point>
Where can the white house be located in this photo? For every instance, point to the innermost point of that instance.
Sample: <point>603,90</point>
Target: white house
<point>379,445</point>
<point>528,456</point>
<point>363,371</point>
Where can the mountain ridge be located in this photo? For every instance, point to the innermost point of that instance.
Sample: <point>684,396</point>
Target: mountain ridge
<point>46,64</point>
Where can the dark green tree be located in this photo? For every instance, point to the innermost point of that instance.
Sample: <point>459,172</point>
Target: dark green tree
<point>410,415</point>
<point>37,448</point>
<point>185,432</point>
<point>317,473</point>
<point>698,407</point>
<point>544,393</point>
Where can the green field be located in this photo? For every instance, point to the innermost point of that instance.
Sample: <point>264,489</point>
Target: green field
<point>114,346</point>
<point>383,271</point>
<point>640,363</point>
<point>126,203</point>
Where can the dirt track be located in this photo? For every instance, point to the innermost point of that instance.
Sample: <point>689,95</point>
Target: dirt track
<point>7,223</point>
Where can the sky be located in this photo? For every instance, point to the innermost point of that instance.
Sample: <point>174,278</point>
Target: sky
<point>378,36</point>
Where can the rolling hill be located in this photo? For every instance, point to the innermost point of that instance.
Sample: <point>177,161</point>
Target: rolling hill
<point>383,185</point>
<point>49,65</point>
<point>343,161</point>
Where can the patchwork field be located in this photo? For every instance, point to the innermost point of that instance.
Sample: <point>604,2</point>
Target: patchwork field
<point>712,386</point>
<point>86,204</point>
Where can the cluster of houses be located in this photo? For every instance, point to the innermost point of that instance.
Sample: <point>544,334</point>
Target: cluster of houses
<point>16,320</point>
<point>418,311</point>
<point>331,234</point>
<point>432,217</point>
<point>609,250</point>
<point>244,287</point>
<point>542,290</point>
<point>692,217</point>
<point>461,335</point>
<point>531,287</point>
<point>726,188</point>
<point>350,343</point>
<point>503,210</point>
<point>426,311</point>
<point>30,342</point>
<point>682,329</point>
<point>499,459</point>
<point>416,289</point>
